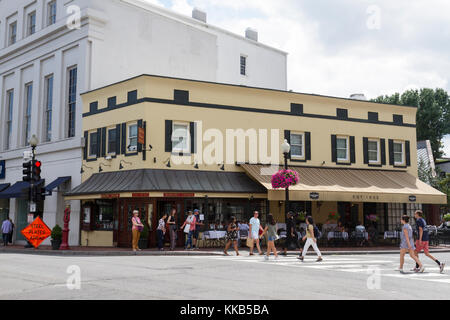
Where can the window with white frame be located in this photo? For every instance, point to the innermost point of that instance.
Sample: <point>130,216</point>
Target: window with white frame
<point>342,149</point>
<point>31,28</point>
<point>9,118</point>
<point>27,112</point>
<point>180,138</point>
<point>48,108</point>
<point>12,33</point>
<point>93,144</point>
<point>297,145</point>
<point>399,153</point>
<point>112,141</point>
<point>373,149</point>
<point>51,12</point>
<point>132,137</point>
<point>243,65</point>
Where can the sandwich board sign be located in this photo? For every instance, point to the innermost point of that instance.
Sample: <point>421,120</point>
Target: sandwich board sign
<point>36,232</point>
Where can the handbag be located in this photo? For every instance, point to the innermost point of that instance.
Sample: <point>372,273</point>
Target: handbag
<point>249,243</point>
<point>140,228</point>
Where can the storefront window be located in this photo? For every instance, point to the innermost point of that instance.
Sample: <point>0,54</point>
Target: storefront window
<point>4,209</point>
<point>104,216</point>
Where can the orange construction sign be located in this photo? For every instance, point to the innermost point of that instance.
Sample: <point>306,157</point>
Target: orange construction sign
<point>36,232</point>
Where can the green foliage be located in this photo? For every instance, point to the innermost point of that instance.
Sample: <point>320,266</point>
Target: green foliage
<point>145,232</point>
<point>447,217</point>
<point>301,216</point>
<point>433,114</point>
<point>56,233</point>
<point>426,175</point>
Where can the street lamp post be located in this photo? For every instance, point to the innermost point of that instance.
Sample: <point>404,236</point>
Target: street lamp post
<point>286,148</point>
<point>33,144</point>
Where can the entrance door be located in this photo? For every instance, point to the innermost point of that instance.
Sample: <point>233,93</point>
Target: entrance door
<point>126,209</point>
<point>165,207</point>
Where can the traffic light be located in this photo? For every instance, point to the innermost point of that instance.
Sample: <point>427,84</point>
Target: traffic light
<point>36,170</point>
<point>39,191</point>
<point>27,172</point>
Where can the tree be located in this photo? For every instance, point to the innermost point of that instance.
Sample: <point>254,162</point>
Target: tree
<point>433,114</point>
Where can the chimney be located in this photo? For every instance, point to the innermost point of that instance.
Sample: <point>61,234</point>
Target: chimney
<point>251,34</point>
<point>358,96</point>
<point>198,14</point>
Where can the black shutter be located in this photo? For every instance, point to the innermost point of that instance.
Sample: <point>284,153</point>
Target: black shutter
<point>287,136</point>
<point>296,108</point>
<point>308,146</point>
<point>391,152</point>
<point>124,139</point>
<point>112,102</point>
<point>118,135</point>
<point>366,150</point>
<point>93,107</point>
<point>132,96</point>
<point>86,145</point>
<point>383,151</point>
<point>193,130</point>
<point>168,136</point>
<point>181,96</point>
<point>103,142</point>
<point>140,125</point>
<point>352,150</point>
<point>334,148</point>
<point>99,141</point>
<point>408,153</point>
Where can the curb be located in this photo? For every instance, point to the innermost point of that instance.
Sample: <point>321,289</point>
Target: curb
<point>182,253</point>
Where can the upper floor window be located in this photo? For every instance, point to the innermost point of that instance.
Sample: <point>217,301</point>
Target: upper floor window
<point>93,145</point>
<point>342,149</point>
<point>399,153</point>
<point>297,145</point>
<point>243,65</point>
<point>9,117</point>
<point>72,100</point>
<point>373,148</point>
<point>51,12</point>
<point>12,33</point>
<point>48,108</point>
<point>180,138</point>
<point>31,23</point>
<point>112,141</point>
<point>132,137</point>
<point>27,113</point>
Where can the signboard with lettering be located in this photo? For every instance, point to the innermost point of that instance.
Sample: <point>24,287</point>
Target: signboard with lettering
<point>314,196</point>
<point>179,195</point>
<point>2,169</point>
<point>412,198</point>
<point>141,195</point>
<point>111,196</point>
<point>36,232</point>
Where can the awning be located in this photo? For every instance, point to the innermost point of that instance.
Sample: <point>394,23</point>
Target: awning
<point>15,191</point>
<point>182,181</point>
<point>350,185</point>
<point>4,186</point>
<point>55,184</point>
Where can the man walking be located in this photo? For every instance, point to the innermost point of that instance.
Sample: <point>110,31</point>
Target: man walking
<point>423,240</point>
<point>197,225</point>
<point>255,226</point>
<point>291,236</point>
<point>6,231</point>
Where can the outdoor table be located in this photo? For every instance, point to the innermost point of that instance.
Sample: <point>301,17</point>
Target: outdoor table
<point>391,235</point>
<point>366,234</point>
<point>331,235</point>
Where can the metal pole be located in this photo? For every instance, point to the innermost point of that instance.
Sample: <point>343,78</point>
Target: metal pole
<point>287,203</point>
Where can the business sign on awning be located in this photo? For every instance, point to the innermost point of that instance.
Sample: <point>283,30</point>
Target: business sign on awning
<point>36,232</point>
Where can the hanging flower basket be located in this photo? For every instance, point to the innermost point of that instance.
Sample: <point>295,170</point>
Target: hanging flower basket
<point>284,179</point>
<point>334,216</point>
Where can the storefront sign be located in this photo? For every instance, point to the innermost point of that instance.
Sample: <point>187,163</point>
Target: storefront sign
<point>2,169</point>
<point>141,136</point>
<point>36,232</point>
<point>141,195</point>
<point>412,198</point>
<point>179,195</point>
<point>314,196</point>
<point>111,196</point>
<point>365,197</point>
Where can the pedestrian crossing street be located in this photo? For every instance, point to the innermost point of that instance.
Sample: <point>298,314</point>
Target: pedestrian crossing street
<point>385,265</point>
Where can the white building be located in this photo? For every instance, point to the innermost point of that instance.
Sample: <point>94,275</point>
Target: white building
<point>47,60</point>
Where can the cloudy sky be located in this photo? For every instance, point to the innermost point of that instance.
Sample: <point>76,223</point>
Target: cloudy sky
<point>342,47</point>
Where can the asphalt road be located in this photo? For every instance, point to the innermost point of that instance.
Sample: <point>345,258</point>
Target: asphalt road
<point>222,278</point>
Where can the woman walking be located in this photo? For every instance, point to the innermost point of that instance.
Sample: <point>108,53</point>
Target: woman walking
<point>407,245</point>
<point>232,236</point>
<point>310,240</point>
<point>136,230</point>
<point>172,226</point>
<point>161,232</point>
<point>188,227</point>
<point>271,230</point>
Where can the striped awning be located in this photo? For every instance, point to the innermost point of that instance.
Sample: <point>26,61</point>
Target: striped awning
<point>349,185</point>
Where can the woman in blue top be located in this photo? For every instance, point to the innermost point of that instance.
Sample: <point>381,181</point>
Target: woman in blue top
<point>407,245</point>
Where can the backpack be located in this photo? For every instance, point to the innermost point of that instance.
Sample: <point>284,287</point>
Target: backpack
<point>317,233</point>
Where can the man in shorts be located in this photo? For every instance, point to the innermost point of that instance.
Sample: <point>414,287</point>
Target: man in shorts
<point>255,226</point>
<point>422,243</point>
